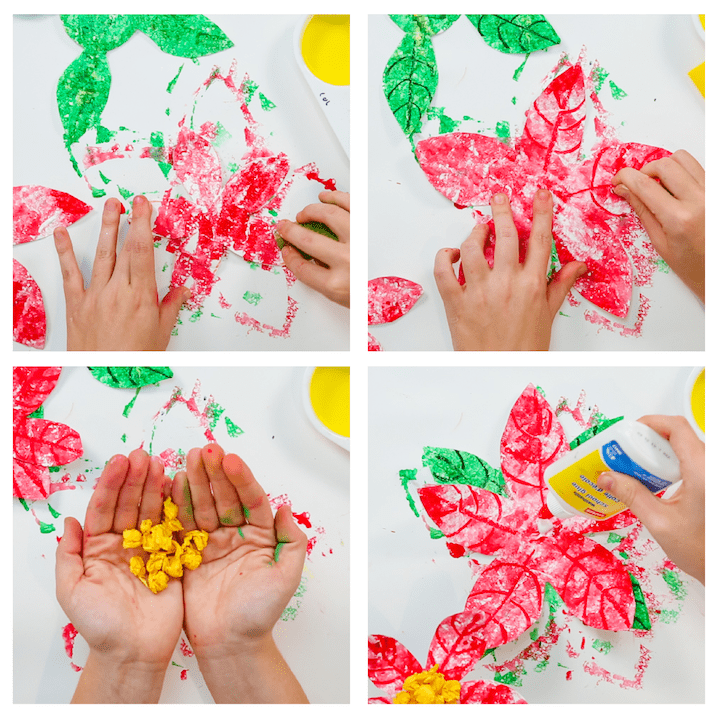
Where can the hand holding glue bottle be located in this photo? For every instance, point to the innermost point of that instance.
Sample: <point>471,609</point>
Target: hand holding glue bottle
<point>623,467</point>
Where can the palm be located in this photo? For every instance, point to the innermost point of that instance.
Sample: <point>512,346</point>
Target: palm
<point>116,611</point>
<point>221,596</point>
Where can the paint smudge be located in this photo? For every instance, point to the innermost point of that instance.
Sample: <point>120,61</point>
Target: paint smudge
<point>69,633</point>
<point>634,683</point>
<point>29,322</point>
<point>591,223</point>
<point>185,648</point>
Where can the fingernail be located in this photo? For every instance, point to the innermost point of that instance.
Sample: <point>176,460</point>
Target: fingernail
<point>499,199</point>
<point>138,200</point>
<point>110,205</point>
<point>583,269</point>
<point>543,194</point>
<point>605,481</point>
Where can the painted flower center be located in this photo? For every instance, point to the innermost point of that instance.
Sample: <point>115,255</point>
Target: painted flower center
<point>428,688</point>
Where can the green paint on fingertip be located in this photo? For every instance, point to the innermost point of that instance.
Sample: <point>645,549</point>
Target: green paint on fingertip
<point>246,512</point>
<point>278,548</point>
<point>240,533</point>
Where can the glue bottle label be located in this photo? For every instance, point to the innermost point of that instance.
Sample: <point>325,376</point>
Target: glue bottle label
<point>617,460</point>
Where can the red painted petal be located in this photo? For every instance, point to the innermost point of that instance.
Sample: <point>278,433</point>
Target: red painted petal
<point>467,168</point>
<point>475,519</point>
<point>29,323</point>
<point>177,218</point>
<point>373,344</point>
<point>488,693</point>
<point>379,701</point>
<point>390,297</point>
<point>532,440</point>
<point>37,211</point>
<point>30,482</point>
<point>390,663</point>
<point>591,581</point>
<point>458,643</point>
<point>32,385</point>
<point>46,443</point>
<point>197,166</point>
<point>510,596</point>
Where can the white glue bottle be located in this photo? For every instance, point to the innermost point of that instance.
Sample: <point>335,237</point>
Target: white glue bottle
<point>628,447</point>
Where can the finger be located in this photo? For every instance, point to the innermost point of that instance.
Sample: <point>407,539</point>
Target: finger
<point>203,503</point>
<point>68,560</point>
<point>131,493</point>
<point>105,253</point>
<point>673,176</point>
<point>341,199</point>
<point>170,308</point>
<point>649,509</point>
<point>139,247</point>
<point>305,270</point>
<point>151,502</point>
<point>227,501</point>
<point>646,217</point>
<point>447,283</point>
<point>506,236</point>
<point>691,166</point>
<point>101,508</point>
<point>316,245</point>
<point>654,196</point>
<point>291,546</point>
<point>472,253</point>
<point>254,500</point>
<point>332,216</point>
<point>561,284</point>
<point>541,238</point>
<point>183,500</point>
<point>73,284</point>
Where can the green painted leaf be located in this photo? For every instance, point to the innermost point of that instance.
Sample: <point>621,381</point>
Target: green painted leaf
<point>642,616</point>
<point>602,423</point>
<point>427,24</point>
<point>82,93</point>
<point>451,466</point>
<point>99,33</point>
<point>406,476</point>
<point>410,80</point>
<point>189,36</point>
<point>130,376</point>
<point>515,34</point>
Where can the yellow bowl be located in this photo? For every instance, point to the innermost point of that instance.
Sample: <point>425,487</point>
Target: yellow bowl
<point>326,398</point>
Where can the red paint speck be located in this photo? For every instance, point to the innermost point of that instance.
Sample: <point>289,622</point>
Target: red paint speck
<point>303,519</point>
<point>568,675</point>
<point>183,675</point>
<point>69,634</point>
<point>457,551</point>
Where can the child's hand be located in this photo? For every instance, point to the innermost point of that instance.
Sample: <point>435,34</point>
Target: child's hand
<point>131,631</point>
<point>678,522</point>
<point>672,212</point>
<point>330,272</point>
<point>251,568</point>
<point>120,310</point>
<point>510,307</point>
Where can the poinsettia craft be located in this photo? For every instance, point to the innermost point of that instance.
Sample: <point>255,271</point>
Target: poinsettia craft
<point>38,443</point>
<point>393,669</point>
<point>37,211</point>
<point>591,223</point>
<point>389,298</point>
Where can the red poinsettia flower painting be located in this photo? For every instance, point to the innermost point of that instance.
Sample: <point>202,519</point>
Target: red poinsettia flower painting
<point>591,223</point>
<point>38,443</point>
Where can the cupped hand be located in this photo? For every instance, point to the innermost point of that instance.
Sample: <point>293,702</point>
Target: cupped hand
<point>677,522</point>
<point>253,561</point>
<point>329,273</point>
<point>120,618</point>
<point>120,309</point>
<point>511,306</point>
<point>672,210</point>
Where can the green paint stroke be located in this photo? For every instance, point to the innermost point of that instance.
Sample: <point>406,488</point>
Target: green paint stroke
<point>668,617</point>
<point>406,475</point>
<point>510,678</point>
<point>602,646</point>
<point>123,438</point>
<point>614,538</point>
<point>642,616</point>
<point>39,412</point>
<point>502,130</point>
<point>617,92</point>
<point>232,428</point>
<point>452,466</point>
<point>518,72</point>
<point>265,103</point>
<point>158,152</point>
<point>598,75</point>
<point>130,376</point>
<point>53,512</point>
<point>515,34</point>
<point>447,124</point>
<point>24,504</point>
<point>600,424</point>
<point>252,298</point>
<point>674,583</point>
<point>97,192</point>
<point>129,406</point>
<point>436,533</point>
<point>173,82</point>
<point>46,527</point>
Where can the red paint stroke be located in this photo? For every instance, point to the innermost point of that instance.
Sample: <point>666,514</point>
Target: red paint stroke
<point>390,297</point>
<point>303,519</point>
<point>183,674</point>
<point>636,330</point>
<point>311,172</point>
<point>37,211</point>
<point>192,403</point>
<point>390,663</point>
<point>69,633</point>
<point>508,592</point>
<point>37,443</point>
<point>591,223</point>
<point>592,668</point>
<point>29,323</point>
<point>284,332</point>
<point>373,343</point>
<point>185,648</point>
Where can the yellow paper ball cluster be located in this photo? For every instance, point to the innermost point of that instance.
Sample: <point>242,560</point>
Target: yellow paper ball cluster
<point>428,688</point>
<point>166,556</point>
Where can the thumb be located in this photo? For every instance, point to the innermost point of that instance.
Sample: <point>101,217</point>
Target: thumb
<point>68,560</point>
<point>562,283</point>
<point>291,542</point>
<point>170,308</point>
<point>634,494</point>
